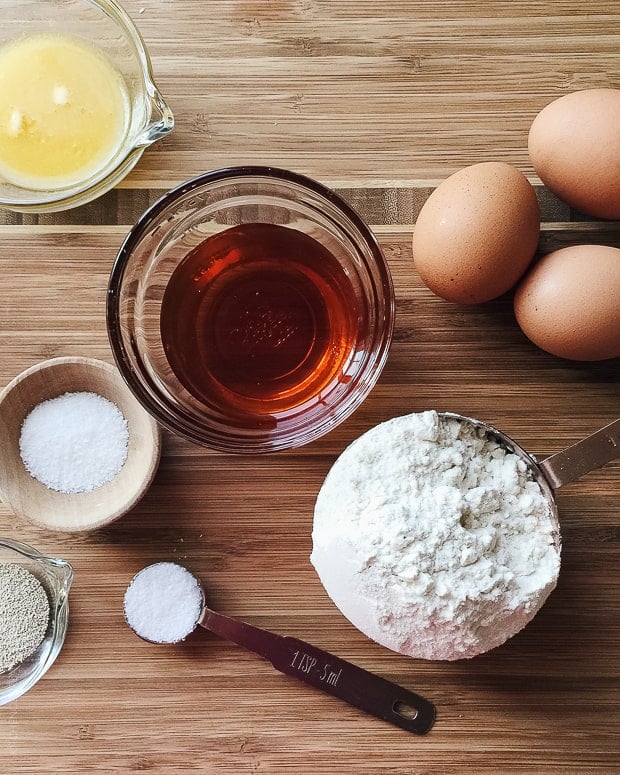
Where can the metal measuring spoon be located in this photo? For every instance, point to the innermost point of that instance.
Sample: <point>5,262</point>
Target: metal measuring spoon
<point>145,600</point>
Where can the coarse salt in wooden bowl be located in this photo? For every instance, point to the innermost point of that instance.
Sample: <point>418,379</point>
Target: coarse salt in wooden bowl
<point>64,510</point>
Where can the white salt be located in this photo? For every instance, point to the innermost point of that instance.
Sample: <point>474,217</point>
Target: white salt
<point>75,442</point>
<point>163,603</point>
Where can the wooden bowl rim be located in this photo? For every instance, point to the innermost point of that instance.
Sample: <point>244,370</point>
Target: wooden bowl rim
<point>45,513</point>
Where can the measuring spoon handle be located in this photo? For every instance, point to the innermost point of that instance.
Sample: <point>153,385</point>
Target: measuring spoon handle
<point>323,670</point>
<point>586,455</point>
<point>358,687</point>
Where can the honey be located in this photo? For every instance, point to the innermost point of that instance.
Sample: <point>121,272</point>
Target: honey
<point>260,319</point>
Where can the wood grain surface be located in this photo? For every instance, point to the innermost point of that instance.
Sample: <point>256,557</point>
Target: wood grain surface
<point>380,100</point>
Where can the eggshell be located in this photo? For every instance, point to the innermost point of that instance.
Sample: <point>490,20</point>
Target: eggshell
<point>477,233</point>
<point>574,145</point>
<point>569,303</point>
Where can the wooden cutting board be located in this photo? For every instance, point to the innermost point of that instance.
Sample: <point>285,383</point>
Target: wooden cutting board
<point>381,101</point>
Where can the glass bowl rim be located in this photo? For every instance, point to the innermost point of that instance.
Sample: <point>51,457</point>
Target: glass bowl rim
<point>94,188</point>
<point>232,173</point>
<point>59,617</point>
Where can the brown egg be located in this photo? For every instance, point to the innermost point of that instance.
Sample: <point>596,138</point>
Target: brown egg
<point>477,233</point>
<point>569,303</point>
<point>574,145</point>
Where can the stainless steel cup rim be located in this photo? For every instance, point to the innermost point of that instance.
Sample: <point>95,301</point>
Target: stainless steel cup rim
<point>563,467</point>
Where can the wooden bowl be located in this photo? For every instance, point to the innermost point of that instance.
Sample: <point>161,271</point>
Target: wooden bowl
<point>29,498</point>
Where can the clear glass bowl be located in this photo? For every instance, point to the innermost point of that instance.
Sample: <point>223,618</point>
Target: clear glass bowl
<point>106,26</point>
<point>55,576</point>
<point>209,205</point>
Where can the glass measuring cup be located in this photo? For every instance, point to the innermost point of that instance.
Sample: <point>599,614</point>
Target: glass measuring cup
<point>55,576</point>
<point>290,656</point>
<point>104,25</point>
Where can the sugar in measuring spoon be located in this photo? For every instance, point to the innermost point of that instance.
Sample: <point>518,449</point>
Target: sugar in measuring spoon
<point>164,603</point>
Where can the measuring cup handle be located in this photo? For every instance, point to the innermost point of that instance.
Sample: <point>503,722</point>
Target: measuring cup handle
<point>357,686</point>
<point>594,451</point>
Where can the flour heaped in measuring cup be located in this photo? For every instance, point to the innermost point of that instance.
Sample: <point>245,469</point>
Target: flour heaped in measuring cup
<point>434,539</point>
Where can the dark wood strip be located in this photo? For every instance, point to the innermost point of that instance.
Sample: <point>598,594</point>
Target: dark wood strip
<point>385,206</point>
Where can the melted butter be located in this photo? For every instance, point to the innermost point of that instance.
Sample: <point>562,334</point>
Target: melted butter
<point>64,111</point>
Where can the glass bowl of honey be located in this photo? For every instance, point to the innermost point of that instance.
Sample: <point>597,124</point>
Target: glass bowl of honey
<point>250,310</point>
<point>78,103</point>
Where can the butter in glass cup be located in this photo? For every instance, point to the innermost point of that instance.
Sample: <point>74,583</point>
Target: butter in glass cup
<point>78,103</point>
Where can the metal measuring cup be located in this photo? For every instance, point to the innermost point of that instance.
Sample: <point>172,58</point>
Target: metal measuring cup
<point>561,468</point>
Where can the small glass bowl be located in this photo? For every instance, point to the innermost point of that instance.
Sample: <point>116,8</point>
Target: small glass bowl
<point>55,576</point>
<point>106,26</point>
<point>209,205</point>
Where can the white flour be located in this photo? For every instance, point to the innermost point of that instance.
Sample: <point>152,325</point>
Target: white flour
<point>433,540</point>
